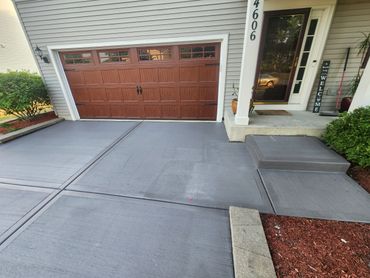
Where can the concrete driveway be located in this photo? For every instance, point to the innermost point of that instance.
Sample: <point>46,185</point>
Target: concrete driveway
<point>125,199</point>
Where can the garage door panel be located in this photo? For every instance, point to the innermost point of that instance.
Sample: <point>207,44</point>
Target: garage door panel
<point>170,111</point>
<point>169,94</point>
<point>151,94</point>
<point>208,73</point>
<point>134,111</point>
<point>114,95</point>
<point>129,76</point>
<point>92,77</point>
<point>189,73</point>
<point>208,93</point>
<point>169,74</point>
<point>130,95</point>
<point>152,111</point>
<point>189,94</point>
<point>74,77</point>
<point>189,111</point>
<point>148,75</point>
<point>101,110</point>
<point>207,111</point>
<point>110,76</point>
<point>80,94</point>
<point>117,111</point>
<point>97,94</point>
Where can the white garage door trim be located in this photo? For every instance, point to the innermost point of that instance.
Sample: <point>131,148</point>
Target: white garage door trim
<point>58,67</point>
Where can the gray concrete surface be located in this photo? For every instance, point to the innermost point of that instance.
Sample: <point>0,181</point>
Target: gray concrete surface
<point>87,235</point>
<point>16,202</point>
<point>294,153</point>
<point>52,155</point>
<point>188,163</point>
<point>332,196</point>
<point>251,253</point>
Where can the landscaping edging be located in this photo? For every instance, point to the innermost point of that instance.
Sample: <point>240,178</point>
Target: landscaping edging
<point>24,131</point>
<point>251,254</point>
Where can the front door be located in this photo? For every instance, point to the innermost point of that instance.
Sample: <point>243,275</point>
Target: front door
<point>281,41</point>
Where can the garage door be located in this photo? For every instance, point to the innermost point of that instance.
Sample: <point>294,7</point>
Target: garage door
<point>166,82</point>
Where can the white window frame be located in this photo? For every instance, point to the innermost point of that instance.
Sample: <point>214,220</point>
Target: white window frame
<point>54,50</point>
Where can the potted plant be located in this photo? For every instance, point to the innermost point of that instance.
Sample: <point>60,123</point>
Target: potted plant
<point>364,51</point>
<point>234,101</point>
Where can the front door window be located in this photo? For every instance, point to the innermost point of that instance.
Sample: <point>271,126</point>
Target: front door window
<point>282,37</point>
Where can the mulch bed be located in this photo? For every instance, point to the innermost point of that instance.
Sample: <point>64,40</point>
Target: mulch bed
<point>303,247</point>
<point>18,124</point>
<point>361,175</point>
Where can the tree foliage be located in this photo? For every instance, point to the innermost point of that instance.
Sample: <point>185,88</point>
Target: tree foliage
<point>22,94</point>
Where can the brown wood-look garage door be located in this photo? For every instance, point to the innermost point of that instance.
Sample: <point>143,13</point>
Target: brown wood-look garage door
<point>160,82</point>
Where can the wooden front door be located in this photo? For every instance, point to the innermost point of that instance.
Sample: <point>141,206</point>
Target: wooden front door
<point>161,82</point>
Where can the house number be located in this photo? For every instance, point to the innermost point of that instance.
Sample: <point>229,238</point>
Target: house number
<point>254,25</point>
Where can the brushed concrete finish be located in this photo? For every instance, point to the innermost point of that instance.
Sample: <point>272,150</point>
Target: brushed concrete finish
<point>294,153</point>
<point>50,156</point>
<point>15,203</point>
<point>318,195</point>
<point>251,253</point>
<point>188,163</point>
<point>87,235</point>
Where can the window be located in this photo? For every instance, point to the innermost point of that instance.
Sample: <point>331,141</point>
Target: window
<point>114,56</point>
<point>77,58</point>
<point>306,53</point>
<point>198,52</point>
<point>155,54</point>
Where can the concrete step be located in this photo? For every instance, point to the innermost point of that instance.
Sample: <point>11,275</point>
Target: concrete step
<point>302,153</point>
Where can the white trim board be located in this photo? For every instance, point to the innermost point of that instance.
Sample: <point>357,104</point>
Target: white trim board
<point>57,64</point>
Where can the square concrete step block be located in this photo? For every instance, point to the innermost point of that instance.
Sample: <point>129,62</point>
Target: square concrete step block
<point>294,153</point>
<point>333,196</point>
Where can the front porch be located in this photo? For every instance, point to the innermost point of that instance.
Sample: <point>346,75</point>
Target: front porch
<point>297,123</point>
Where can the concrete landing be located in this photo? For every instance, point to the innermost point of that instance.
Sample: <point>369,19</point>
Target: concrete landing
<point>294,153</point>
<point>299,123</point>
<point>89,235</point>
<point>333,196</point>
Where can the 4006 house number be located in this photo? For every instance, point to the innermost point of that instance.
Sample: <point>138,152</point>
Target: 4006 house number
<point>255,16</point>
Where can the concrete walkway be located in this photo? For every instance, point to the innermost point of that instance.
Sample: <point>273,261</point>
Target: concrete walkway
<point>131,199</point>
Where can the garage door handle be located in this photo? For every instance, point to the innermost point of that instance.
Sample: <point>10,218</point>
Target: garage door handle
<point>137,90</point>
<point>140,90</point>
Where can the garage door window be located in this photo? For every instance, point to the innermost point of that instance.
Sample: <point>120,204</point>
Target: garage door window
<point>157,54</point>
<point>77,58</point>
<point>198,52</point>
<point>108,56</point>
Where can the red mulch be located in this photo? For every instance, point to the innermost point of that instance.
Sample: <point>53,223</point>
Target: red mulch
<point>361,175</point>
<point>18,124</point>
<point>303,247</point>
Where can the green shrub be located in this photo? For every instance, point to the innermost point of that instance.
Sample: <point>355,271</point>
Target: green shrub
<point>22,94</point>
<point>350,136</point>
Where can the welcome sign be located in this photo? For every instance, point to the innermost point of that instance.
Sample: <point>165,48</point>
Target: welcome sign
<point>320,89</point>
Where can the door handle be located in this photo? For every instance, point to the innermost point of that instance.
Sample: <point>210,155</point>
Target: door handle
<point>137,89</point>
<point>140,90</point>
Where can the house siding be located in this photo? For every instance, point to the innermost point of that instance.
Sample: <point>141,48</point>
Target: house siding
<point>15,53</point>
<point>350,19</point>
<point>52,22</point>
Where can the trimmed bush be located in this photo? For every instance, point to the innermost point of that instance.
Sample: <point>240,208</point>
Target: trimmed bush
<point>22,94</point>
<point>350,136</point>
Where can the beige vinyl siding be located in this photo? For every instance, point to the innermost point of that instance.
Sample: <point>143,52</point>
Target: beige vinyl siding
<point>52,22</point>
<point>350,19</point>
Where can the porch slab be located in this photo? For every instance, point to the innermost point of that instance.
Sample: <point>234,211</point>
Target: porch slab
<point>294,153</point>
<point>189,163</point>
<point>299,123</point>
<point>89,235</point>
<point>333,196</point>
